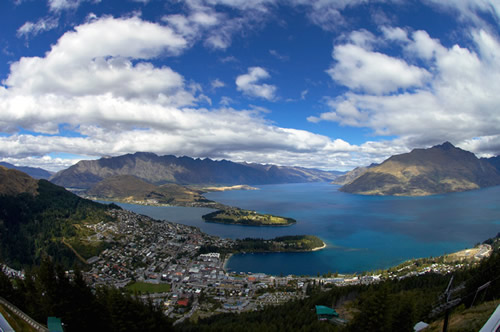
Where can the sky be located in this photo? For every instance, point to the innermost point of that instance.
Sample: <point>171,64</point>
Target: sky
<point>328,84</point>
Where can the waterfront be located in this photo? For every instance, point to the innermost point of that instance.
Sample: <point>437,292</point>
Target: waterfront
<point>362,232</point>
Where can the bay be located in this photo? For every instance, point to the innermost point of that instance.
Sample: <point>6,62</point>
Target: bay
<point>361,232</point>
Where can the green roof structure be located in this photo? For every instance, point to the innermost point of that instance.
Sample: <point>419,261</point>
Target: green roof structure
<point>325,313</point>
<point>54,324</point>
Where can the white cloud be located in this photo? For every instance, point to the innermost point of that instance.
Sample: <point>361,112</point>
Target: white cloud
<point>113,100</point>
<point>60,5</point>
<point>248,84</point>
<point>395,33</point>
<point>459,102</point>
<point>217,84</point>
<point>46,162</point>
<point>279,56</point>
<point>471,10</point>
<point>43,24</point>
<point>96,59</point>
<point>202,20</point>
<point>359,68</point>
<point>424,46</point>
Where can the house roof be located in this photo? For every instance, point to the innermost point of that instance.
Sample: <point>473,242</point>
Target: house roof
<point>323,310</point>
<point>183,302</point>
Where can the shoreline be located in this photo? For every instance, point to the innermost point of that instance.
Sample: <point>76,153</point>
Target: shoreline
<point>319,248</point>
<point>250,225</point>
<point>226,261</point>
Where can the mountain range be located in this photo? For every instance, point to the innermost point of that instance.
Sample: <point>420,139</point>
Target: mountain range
<point>34,172</point>
<point>161,170</point>
<point>440,169</point>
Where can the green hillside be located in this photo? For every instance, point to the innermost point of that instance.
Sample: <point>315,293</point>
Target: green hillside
<point>239,216</point>
<point>47,221</point>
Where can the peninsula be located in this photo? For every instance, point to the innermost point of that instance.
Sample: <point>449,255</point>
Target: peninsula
<point>290,243</point>
<point>239,216</point>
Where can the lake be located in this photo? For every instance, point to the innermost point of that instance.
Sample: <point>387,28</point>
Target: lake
<point>361,232</point>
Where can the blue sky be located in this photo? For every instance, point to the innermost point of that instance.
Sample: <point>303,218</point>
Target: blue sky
<point>325,84</point>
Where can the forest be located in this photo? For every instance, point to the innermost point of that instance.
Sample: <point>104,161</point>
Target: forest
<point>32,226</point>
<point>48,291</point>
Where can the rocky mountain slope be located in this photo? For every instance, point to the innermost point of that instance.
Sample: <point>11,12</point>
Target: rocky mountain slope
<point>352,175</point>
<point>182,170</point>
<point>440,169</point>
<point>494,161</point>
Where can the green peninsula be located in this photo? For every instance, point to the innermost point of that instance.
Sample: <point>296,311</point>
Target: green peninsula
<point>239,216</point>
<point>291,243</point>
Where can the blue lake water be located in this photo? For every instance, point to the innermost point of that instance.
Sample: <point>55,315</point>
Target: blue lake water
<point>362,232</point>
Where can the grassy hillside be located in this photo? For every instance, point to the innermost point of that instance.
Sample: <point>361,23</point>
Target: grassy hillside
<point>14,182</point>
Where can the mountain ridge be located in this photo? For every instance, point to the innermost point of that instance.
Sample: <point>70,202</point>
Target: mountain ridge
<point>160,170</point>
<point>436,170</point>
<point>34,172</point>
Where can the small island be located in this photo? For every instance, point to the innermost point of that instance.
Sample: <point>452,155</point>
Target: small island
<point>237,216</point>
<point>291,243</point>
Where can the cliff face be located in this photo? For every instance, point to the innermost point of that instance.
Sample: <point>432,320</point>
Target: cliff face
<point>440,169</point>
<point>184,170</point>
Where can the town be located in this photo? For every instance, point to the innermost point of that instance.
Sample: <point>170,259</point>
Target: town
<point>163,262</point>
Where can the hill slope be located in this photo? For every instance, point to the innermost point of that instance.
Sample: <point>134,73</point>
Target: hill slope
<point>14,182</point>
<point>38,218</point>
<point>352,175</point>
<point>183,170</point>
<point>440,169</point>
<point>130,189</point>
<point>494,161</point>
<point>34,172</point>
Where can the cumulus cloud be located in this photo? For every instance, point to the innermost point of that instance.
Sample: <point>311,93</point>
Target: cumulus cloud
<point>373,72</point>
<point>456,98</point>
<point>249,84</point>
<point>112,100</point>
<point>96,59</point>
<point>48,163</point>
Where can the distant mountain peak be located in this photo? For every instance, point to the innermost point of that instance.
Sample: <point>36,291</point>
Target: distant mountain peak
<point>440,169</point>
<point>445,146</point>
